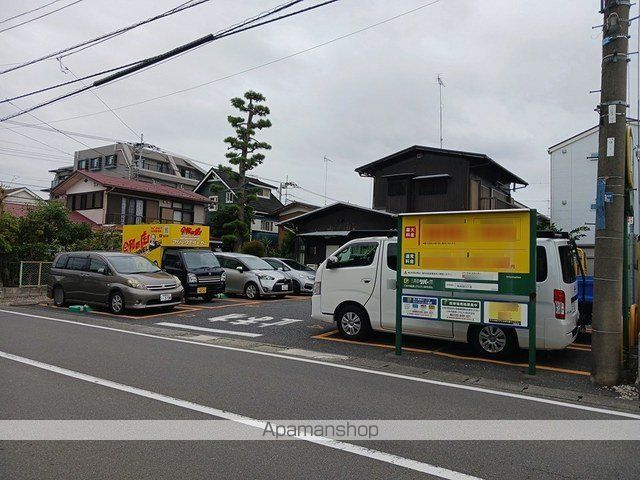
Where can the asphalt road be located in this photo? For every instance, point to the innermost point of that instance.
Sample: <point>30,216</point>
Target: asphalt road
<point>256,385</point>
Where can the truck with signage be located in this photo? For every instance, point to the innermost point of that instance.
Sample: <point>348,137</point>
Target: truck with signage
<point>182,250</point>
<point>477,277</point>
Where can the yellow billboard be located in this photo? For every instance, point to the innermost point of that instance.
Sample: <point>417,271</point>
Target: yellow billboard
<point>150,239</point>
<point>470,242</point>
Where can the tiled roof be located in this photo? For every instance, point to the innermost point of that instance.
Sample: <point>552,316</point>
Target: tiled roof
<point>156,189</point>
<point>77,217</point>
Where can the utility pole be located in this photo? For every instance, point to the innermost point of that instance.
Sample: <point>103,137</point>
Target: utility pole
<point>326,173</point>
<point>440,85</point>
<point>607,324</point>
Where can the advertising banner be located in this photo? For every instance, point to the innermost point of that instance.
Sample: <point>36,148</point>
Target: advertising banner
<point>147,238</point>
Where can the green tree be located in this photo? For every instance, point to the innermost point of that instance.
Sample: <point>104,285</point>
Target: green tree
<point>254,247</point>
<point>244,152</point>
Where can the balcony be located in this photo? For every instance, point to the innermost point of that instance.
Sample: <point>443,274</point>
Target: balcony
<point>132,219</point>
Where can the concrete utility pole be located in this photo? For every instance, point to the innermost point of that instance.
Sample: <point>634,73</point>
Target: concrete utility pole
<point>440,85</point>
<point>610,222</point>
<point>326,176</point>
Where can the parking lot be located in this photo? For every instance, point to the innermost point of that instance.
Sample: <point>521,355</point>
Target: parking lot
<point>287,323</point>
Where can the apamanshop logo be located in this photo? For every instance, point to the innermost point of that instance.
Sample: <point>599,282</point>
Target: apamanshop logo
<point>343,430</point>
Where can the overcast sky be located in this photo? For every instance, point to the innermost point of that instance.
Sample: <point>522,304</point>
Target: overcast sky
<point>517,77</point>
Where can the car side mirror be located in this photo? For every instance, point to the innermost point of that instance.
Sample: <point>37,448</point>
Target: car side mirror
<point>178,264</point>
<point>281,269</point>
<point>240,269</point>
<point>332,261</point>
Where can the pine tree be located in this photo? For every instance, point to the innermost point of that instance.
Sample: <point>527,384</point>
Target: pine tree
<point>244,153</point>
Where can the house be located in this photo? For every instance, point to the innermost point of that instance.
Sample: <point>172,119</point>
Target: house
<point>574,169</point>
<point>428,179</point>
<point>17,201</point>
<point>135,161</point>
<point>220,186</point>
<point>110,200</point>
<point>288,212</point>
<point>321,232</point>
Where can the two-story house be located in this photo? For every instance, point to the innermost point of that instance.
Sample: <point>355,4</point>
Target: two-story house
<point>141,162</point>
<point>428,179</point>
<point>104,199</point>
<point>220,186</point>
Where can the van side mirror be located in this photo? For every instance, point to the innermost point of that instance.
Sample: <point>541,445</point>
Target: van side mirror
<point>240,269</point>
<point>332,261</point>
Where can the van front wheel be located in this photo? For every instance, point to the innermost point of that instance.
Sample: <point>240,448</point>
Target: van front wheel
<point>353,322</point>
<point>493,341</point>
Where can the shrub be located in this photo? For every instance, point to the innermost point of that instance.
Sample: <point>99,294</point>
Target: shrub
<point>254,247</point>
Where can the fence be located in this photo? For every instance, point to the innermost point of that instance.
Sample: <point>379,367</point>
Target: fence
<point>34,274</point>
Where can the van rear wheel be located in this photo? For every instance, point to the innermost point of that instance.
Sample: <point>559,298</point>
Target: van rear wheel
<point>353,322</point>
<point>493,341</point>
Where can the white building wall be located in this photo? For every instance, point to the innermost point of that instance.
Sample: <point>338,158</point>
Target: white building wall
<point>573,184</point>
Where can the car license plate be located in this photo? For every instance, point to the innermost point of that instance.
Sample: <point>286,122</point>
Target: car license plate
<point>165,297</point>
<point>202,289</point>
<point>285,287</point>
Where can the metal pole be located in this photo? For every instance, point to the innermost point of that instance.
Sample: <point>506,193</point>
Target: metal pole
<point>326,172</point>
<point>20,279</point>
<point>440,85</point>
<point>532,298</point>
<point>608,270</point>
<point>399,262</point>
<point>39,273</point>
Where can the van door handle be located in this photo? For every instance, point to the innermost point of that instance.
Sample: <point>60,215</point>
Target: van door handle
<point>366,280</point>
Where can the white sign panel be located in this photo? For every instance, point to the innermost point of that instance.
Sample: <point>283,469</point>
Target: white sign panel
<point>418,306</point>
<point>457,310</point>
<point>611,147</point>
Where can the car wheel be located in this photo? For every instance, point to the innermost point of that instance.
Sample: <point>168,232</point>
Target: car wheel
<point>116,303</point>
<point>493,341</point>
<point>251,291</point>
<point>353,322</point>
<point>58,296</point>
<point>296,288</point>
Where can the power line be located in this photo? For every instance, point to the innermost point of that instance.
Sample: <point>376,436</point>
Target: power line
<point>96,40</point>
<point>70,132</point>
<point>33,139</point>
<point>29,11</point>
<point>172,53</point>
<point>41,16</point>
<point>36,158</point>
<point>256,67</point>
<point>2,182</point>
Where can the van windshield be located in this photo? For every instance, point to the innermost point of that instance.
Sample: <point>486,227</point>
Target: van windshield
<point>567,263</point>
<point>132,264</point>
<point>200,259</point>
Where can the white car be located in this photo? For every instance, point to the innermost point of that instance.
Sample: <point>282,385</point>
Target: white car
<point>356,289</point>
<point>252,276</point>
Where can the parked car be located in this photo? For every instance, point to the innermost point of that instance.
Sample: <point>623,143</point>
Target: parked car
<point>356,289</point>
<point>252,276</point>
<point>302,277</point>
<point>198,269</point>
<point>118,281</point>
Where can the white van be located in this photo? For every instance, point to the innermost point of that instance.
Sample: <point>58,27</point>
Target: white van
<point>356,288</point>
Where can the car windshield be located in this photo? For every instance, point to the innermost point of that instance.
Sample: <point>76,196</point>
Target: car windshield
<point>255,263</point>
<point>298,266</point>
<point>200,259</point>
<point>132,264</point>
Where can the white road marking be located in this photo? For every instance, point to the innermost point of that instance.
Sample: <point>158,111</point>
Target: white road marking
<point>252,422</point>
<point>209,330</point>
<point>399,376</point>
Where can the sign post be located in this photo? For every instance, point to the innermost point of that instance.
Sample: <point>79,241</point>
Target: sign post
<point>477,267</point>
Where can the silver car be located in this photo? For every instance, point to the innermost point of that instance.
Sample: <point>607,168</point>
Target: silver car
<point>252,276</point>
<point>302,276</point>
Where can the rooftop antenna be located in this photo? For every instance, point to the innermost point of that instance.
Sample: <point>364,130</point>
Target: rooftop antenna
<point>326,171</point>
<point>440,85</point>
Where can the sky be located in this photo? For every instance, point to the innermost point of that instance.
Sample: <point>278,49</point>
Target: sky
<point>517,78</point>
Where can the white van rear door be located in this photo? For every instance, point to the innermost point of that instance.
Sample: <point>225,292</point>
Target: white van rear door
<point>569,278</point>
<point>353,277</point>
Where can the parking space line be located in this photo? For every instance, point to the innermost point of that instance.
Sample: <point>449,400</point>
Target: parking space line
<point>328,336</point>
<point>234,304</point>
<point>208,330</point>
<point>586,348</point>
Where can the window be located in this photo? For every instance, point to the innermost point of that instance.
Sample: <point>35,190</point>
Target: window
<point>86,201</point>
<point>567,263</point>
<point>213,206</point>
<point>110,161</point>
<point>228,198</point>
<point>541,264</point>
<point>171,259</point>
<point>277,264</point>
<point>77,263</point>
<point>264,193</point>
<point>432,186</point>
<point>96,163</point>
<point>61,262</point>
<point>83,164</point>
<point>266,225</point>
<point>356,255</point>
<point>182,212</point>
<point>97,266</point>
<point>231,263</point>
<point>156,165</point>
<point>392,256</point>
<point>396,188</point>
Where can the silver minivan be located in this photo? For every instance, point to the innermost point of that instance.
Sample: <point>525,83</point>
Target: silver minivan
<point>252,276</point>
<point>301,276</point>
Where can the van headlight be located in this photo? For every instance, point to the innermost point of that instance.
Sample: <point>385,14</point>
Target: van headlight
<point>191,278</point>
<point>178,282</point>
<point>135,284</point>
